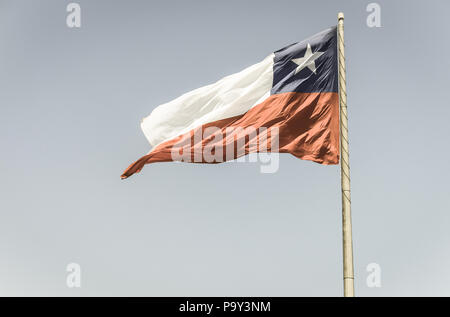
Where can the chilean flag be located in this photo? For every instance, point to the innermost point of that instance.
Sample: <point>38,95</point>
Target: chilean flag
<point>289,99</point>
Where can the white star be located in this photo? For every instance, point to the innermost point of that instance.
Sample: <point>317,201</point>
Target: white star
<point>307,60</point>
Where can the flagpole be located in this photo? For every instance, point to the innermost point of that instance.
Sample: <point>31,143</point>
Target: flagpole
<point>349,290</point>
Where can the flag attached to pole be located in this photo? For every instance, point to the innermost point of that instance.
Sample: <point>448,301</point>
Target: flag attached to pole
<point>289,99</point>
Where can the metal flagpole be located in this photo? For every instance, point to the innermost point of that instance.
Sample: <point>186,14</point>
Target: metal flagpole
<point>349,290</point>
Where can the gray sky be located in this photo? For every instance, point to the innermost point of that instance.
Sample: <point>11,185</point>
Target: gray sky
<point>71,102</point>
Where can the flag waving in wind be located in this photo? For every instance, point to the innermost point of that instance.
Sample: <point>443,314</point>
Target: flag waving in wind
<point>289,100</point>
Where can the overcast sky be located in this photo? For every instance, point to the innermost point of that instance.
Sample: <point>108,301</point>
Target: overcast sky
<point>71,101</point>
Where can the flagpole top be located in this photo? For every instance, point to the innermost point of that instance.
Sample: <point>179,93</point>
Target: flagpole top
<point>340,16</point>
